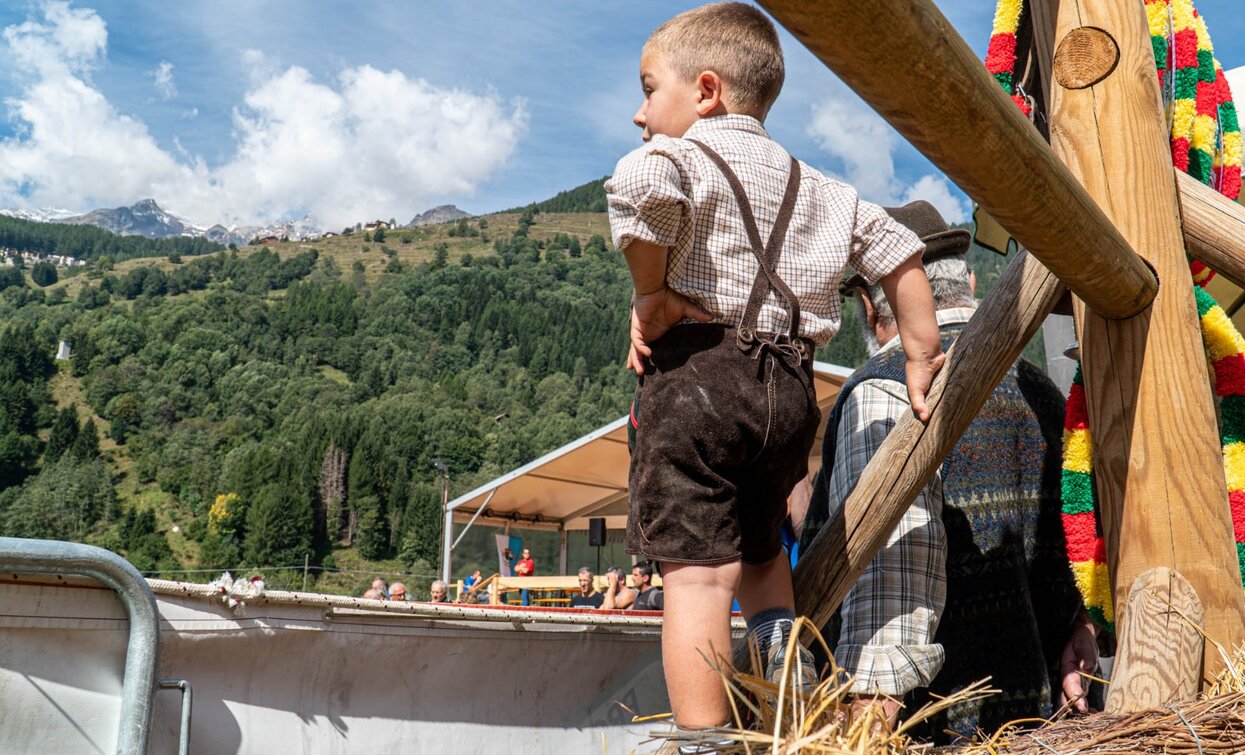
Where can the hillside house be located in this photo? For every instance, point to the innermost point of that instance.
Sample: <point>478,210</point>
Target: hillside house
<point>269,240</point>
<point>375,224</point>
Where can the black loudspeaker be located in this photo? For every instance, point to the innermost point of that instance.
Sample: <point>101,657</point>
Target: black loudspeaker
<point>596,531</point>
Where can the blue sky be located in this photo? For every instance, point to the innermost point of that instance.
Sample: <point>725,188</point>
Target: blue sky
<point>248,111</point>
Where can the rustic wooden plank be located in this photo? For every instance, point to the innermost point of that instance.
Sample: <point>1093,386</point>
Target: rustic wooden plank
<point>1214,228</point>
<point>1160,652</point>
<point>1158,463</point>
<point>905,59</point>
<point>907,459</point>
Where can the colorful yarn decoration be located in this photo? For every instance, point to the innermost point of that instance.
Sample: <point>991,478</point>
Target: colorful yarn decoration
<point>1205,132</point>
<point>1206,144</point>
<point>1001,54</point>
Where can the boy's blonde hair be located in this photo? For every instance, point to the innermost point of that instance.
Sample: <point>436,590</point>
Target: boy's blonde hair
<point>734,40</point>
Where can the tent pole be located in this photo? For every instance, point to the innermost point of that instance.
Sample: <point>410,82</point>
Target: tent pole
<point>447,531</point>
<point>562,561</point>
<point>474,517</point>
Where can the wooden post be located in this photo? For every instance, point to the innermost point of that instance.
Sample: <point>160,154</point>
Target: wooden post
<point>1214,228</point>
<point>1157,462</point>
<point>905,59</point>
<point>911,453</point>
<point>1160,651</point>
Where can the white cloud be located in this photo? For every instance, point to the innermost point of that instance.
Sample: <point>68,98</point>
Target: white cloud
<point>368,144</point>
<point>71,40</point>
<point>864,144</point>
<point>164,80</point>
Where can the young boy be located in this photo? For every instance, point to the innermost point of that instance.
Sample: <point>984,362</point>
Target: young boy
<point>725,411</point>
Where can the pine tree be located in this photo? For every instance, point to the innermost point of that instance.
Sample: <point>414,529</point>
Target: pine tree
<point>278,527</point>
<point>86,446</point>
<point>64,434</point>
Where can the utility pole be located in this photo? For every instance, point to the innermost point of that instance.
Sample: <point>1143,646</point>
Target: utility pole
<point>306,563</point>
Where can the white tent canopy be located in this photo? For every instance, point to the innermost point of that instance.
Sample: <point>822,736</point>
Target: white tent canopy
<point>587,478</point>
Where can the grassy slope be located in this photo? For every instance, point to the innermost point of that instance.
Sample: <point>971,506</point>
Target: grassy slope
<point>346,250</point>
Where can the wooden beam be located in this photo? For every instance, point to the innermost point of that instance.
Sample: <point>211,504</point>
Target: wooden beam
<point>905,59</point>
<point>1157,458</point>
<point>1214,228</point>
<point>907,459</point>
<point>1160,652</point>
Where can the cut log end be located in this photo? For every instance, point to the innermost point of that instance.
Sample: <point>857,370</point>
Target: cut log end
<point>1161,644</point>
<point>1085,56</point>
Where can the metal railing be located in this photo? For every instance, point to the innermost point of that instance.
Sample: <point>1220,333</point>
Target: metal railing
<point>143,650</point>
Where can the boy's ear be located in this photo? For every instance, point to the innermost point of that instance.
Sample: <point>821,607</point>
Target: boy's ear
<point>710,86</point>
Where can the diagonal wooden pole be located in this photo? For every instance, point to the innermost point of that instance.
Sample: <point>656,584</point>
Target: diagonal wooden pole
<point>1214,228</point>
<point>1158,468</point>
<point>905,59</point>
<point>911,453</point>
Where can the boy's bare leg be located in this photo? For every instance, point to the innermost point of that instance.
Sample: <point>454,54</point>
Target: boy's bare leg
<point>764,586</point>
<point>696,626</point>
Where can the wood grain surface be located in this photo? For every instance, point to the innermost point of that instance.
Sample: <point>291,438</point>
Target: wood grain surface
<point>1160,652</point>
<point>1158,465</point>
<point>1214,228</point>
<point>1085,57</point>
<point>905,59</point>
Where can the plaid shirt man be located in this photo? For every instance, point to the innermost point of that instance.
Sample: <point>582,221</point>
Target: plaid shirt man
<point>668,193</point>
<point>891,613</point>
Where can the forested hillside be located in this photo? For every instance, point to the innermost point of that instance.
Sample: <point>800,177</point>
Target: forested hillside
<point>269,407</point>
<point>90,243</point>
<point>587,198</point>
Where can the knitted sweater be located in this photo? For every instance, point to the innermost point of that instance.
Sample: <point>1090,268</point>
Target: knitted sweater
<point>1011,598</point>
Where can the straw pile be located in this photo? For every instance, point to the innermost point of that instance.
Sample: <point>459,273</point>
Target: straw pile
<point>773,718</point>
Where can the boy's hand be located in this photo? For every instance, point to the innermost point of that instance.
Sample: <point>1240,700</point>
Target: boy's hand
<point>907,290</point>
<point>920,377</point>
<point>652,314</point>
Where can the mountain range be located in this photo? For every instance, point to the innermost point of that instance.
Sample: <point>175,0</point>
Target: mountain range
<point>147,218</point>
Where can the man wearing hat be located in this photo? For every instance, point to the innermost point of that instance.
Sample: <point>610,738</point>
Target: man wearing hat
<point>974,581</point>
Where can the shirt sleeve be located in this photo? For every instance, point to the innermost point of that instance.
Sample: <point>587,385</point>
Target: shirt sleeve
<point>879,242</point>
<point>891,613</point>
<point>647,199</point>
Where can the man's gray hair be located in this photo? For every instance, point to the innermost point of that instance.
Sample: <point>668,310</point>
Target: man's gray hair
<point>948,279</point>
<point>585,570</point>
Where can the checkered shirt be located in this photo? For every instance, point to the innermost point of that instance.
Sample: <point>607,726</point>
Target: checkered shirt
<point>891,613</point>
<point>669,193</point>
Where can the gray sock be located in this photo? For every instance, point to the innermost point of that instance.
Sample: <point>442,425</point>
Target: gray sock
<point>770,626</point>
<point>706,745</point>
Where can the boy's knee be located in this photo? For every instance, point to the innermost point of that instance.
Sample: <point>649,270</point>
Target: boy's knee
<point>700,576</point>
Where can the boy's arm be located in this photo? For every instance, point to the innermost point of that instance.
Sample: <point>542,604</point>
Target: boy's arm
<point>907,290</point>
<point>654,307</point>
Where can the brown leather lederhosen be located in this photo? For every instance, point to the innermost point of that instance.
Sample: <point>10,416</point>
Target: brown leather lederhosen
<point>726,421</point>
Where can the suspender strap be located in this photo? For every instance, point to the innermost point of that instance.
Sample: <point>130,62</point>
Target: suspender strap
<point>768,255</point>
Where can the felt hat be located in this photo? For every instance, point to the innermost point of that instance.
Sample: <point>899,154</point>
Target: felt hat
<point>940,239</point>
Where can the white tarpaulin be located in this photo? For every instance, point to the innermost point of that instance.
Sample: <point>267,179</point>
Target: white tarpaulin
<point>588,477</point>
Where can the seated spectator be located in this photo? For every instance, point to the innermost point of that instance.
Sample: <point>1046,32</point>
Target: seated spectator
<point>617,594</point>
<point>473,580</point>
<point>588,596</point>
<point>397,591</point>
<point>648,598</point>
<point>373,594</point>
<point>437,592</point>
<point>380,585</point>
